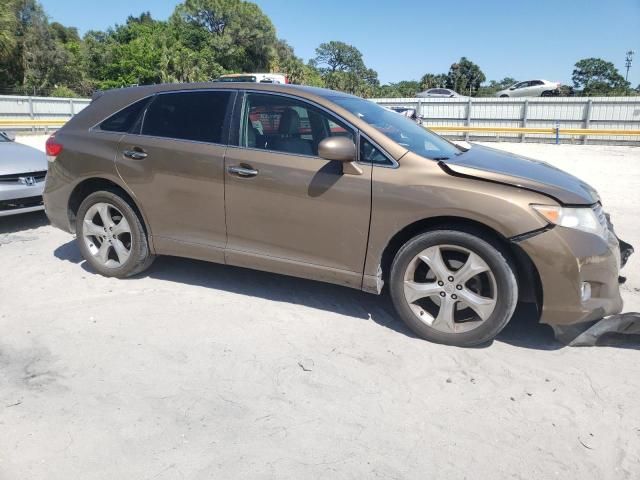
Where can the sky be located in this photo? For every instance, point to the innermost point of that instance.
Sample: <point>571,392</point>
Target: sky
<point>404,39</point>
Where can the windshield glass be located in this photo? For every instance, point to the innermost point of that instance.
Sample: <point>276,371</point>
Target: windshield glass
<point>400,129</point>
<point>4,138</point>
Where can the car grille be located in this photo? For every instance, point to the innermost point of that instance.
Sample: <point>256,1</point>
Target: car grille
<point>17,203</point>
<point>15,177</point>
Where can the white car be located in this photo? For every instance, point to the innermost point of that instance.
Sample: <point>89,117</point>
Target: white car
<point>22,173</point>
<point>531,88</point>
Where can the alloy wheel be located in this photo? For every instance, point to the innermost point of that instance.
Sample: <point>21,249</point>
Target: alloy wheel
<point>450,288</point>
<point>107,234</point>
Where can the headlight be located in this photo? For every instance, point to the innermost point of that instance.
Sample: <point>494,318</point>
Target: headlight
<point>580,218</point>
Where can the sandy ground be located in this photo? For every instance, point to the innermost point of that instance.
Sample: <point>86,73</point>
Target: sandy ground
<point>201,371</point>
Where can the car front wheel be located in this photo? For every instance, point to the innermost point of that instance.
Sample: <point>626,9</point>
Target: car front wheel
<point>111,236</point>
<point>453,287</point>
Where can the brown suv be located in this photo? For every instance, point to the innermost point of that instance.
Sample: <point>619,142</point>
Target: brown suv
<point>323,185</point>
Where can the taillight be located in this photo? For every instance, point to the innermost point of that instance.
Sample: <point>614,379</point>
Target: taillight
<point>286,79</point>
<point>53,148</point>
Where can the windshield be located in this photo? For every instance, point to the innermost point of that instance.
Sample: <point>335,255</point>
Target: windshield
<point>400,129</point>
<point>4,137</point>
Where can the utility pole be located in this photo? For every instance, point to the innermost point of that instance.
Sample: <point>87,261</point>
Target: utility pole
<point>627,62</point>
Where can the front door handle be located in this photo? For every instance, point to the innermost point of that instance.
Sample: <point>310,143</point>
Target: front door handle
<point>244,172</point>
<point>135,154</point>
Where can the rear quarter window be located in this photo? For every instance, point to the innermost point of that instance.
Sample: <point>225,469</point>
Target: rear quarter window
<point>124,120</point>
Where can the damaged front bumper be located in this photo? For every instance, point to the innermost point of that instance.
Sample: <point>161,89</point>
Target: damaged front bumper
<point>579,274</point>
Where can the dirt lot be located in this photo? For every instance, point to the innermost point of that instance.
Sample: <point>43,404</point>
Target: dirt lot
<point>201,371</point>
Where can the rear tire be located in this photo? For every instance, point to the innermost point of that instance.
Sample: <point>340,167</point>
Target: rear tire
<point>448,302</point>
<point>504,96</point>
<point>548,93</point>
<point>111,236</point>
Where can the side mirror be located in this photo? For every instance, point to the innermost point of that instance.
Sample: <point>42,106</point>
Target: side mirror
<point>341,149</point>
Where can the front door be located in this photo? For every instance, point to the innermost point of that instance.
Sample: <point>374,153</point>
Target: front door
<point>289,210</point>
<point>174,165</point>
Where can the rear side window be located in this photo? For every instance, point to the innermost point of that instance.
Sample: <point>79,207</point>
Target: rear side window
<point>125,118</point>
<point>197,116</point>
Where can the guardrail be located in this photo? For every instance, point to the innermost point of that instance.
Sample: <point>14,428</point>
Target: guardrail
<point>557,131</point>
<point>544,131</point>
<point>608,120</point>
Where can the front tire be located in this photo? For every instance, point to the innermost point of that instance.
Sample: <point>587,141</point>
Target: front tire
<point>111,236</point>
<point>453,287</point>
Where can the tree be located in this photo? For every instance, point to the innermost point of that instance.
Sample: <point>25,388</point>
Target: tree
<point>239,36</point>
<point>342,68</point>
<point>595,76</point>
<point>495,86</point>
<point>402,89</point>
<point>430,80</point>
<point>8,23</point>
<point>465,77</point>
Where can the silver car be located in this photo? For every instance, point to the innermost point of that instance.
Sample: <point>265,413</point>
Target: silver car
<point>531,88</point>
<point>438,93</point>
<point>22,173</point>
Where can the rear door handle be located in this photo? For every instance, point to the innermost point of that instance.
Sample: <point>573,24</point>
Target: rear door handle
<point>245,172</point>
<point>135,154</point>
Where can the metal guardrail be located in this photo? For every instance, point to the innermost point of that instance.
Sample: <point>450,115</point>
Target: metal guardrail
<point>544,131</point>
<point>435,128</point>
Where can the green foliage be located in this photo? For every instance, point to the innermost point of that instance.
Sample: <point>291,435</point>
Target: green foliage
<point>342,67</point>
<point>595,77</point>
<point>465,77</point>
<point>403,89</point>
<point>204,39</point>
<point>63,92</point>
<point>430,80</point>
<point>495,86</point>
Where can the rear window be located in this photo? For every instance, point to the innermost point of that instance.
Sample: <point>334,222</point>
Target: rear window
<point>197,116</point>
<point>123,120</point>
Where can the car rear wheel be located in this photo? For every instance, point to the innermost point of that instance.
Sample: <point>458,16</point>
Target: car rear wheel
<point>453,287</point>
<point>504,96</point>
<point>111,236</point>
<point>548,93</point>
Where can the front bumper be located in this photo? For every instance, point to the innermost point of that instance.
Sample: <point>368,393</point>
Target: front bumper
<point>16,198</point>
<point>565,258</point>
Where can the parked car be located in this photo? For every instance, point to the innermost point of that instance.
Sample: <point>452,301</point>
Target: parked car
<point>22,173</point>
<point>531,88</point>
<point>323,185</point>
<point>438,93</point>
<point>254,78</point>
<point>406,112</point>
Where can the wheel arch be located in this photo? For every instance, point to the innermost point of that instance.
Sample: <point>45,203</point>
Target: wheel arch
<point>529,283</point>
<point>90,185</point>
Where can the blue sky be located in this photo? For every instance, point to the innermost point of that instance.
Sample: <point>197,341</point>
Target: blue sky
<point>404,39</point>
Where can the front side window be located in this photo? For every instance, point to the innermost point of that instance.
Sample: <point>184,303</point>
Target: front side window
<point>124,120</point>
<point>399,128</point>
<point>197,116</point>
<point>369,153</point>
<point>283,124</point>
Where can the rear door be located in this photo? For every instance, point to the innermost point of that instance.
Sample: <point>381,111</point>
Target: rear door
<point>173,162</point>
<point>288,210</point>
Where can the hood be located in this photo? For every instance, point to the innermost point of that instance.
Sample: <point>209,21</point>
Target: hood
<point>18,158</point>
<point>497,166</point>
